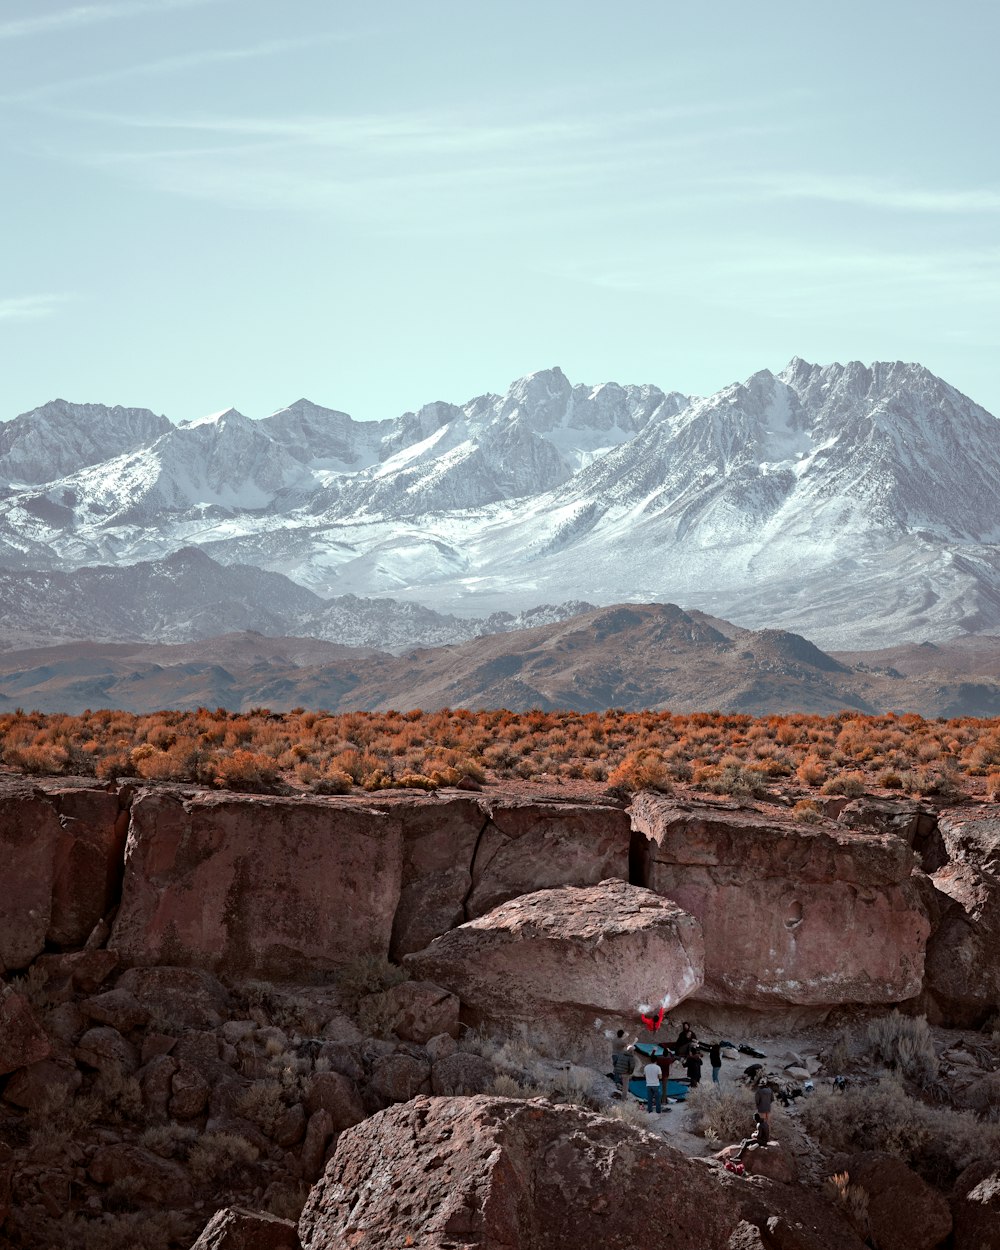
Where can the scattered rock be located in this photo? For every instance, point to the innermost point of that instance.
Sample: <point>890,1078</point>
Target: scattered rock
<point>43,1086</point>
<point>22,1038</point>
<point>157,1180</point>
<point>770,1161</point>
<point>188,1092</point>
<point>156,1080</point>
<point>186,998</point>
<point>319,1132</point>
<point>398,1078</point>
<point>236,1229</point>
<point>421,1010</point>
<point>440,1047</point>
<point>340,1057</point>
<point>462,1073</point>
<point>337,1095</point>
<point>118,1007</point>
<point>105,1049</point>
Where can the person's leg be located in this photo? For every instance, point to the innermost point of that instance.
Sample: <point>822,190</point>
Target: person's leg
<point>715,1076</point>
<point>650,1090</point>
<point>625,1080</point>
<point>656,1095</point>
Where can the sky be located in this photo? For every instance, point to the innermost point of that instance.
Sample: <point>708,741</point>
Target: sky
<point>214,203</point>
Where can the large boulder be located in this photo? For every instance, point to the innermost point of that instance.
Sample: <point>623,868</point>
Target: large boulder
<point>963,953</point>
<point>184,998</point>
<point>496,1173</point>
<point>234,1228</point>
<point>904,1212</point>
<point>29,834</point>
<point>975,1205</point>
<point>568,957</point>
<point>260,887</point>
<point>807,915</point>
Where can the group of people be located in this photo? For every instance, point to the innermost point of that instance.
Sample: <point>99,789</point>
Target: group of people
<point>686,1050</point>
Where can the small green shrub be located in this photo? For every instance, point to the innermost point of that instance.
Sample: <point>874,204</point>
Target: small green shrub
<point>904,1042</point>
<point>368,974</point>
<point>722,1116</point>
<point>216,1155</point>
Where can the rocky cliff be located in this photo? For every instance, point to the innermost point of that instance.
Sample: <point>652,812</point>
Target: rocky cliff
<point>181,967</point>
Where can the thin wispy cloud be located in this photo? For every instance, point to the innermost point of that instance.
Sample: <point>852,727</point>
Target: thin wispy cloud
<point>424,171</point>
<point>880,195</point>
<point>89,14</point>
<point>167,65</point>
<point>31,307</point>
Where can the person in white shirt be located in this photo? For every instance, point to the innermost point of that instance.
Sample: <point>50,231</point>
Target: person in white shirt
<point>652,1074</point>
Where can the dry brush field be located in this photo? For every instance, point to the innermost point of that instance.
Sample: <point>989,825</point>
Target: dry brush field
<point>301,750</point>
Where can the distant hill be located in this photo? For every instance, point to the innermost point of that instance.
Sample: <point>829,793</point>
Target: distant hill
<point>630,656</point>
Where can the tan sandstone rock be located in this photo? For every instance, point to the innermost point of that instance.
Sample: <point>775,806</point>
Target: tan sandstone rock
<point>264,887</point>
<point>811,916</point>
<point>497,1173</point>
<point>567,957</point>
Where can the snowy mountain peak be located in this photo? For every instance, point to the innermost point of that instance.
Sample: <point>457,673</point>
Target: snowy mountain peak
<point>60,438</point>
<point>786,498</point>
<point>227,416</point>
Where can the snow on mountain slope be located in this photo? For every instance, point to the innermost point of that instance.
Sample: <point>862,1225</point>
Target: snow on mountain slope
<point>59,438</point>
<point>841,501</point>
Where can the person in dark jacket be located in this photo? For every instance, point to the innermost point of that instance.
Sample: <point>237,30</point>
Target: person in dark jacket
<point>692,1065</point>
<point>757,1140</point>
<point>684,1040</point>
<point>715,1060</point>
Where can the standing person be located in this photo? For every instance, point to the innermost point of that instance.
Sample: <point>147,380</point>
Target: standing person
<point>692,1065</point>
<point>652,1075</point>
<point>621,1060</point>
<point>663,1061</point>
<point>684,1040</point>
<point>715,1060</point>
<point>762,1101</point>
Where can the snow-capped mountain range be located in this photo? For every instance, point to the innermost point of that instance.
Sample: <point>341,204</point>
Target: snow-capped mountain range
<point>857,505</point>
